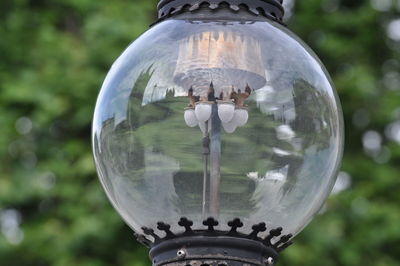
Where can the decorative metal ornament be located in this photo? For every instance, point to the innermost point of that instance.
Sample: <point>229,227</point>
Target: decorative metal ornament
<point>271,9</point>
<point>209,246</point>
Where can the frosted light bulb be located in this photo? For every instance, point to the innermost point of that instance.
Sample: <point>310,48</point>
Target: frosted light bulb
<point>190,117</point>
<point>203,111</point>
<point>226,111</point>
<point>229,127</point>
<point>241,116</point>
<point>202,126</point>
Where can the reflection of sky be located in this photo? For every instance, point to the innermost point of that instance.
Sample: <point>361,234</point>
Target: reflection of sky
<point>274,101</point>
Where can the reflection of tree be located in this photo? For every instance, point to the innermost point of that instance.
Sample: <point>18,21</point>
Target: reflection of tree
<point>286,161</point>
<point>315,115</point>
<point>137,114</point>
<point>313,126</point>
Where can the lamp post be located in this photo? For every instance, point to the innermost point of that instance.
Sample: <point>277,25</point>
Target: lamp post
<point>217,134</point>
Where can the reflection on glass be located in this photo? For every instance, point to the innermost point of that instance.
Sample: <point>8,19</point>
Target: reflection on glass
<point>215,119</point>
<point>225,58</point>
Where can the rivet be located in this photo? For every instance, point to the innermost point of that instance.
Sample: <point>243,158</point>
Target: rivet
<point>181,253</point>
<point>269,261</point>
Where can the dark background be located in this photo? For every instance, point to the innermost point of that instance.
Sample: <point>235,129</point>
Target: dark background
<point>54,55</point>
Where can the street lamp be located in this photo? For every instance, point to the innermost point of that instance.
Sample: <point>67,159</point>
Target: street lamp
<point>217,134</point>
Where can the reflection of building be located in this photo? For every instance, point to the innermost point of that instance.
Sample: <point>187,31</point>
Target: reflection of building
<point>226,58</point>
<point>107,129</point>
<point>101,149</point>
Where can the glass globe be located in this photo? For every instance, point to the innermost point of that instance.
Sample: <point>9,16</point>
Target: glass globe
<point>214,118</point>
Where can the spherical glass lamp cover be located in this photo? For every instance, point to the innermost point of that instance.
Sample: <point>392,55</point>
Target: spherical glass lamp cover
<point>273,148</point>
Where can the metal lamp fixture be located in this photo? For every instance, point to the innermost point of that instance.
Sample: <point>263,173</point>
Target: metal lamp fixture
<point>217,134</point>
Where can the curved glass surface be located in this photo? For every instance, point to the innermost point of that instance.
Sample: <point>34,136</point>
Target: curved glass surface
<point>260,99</point>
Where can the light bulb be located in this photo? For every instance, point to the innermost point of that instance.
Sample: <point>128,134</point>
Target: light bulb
<point>241,116</point>
<point>205,127</point>
<point>226,111</point>
<point>190,117</point>
<point>203,111</point>
<point>229,127</point>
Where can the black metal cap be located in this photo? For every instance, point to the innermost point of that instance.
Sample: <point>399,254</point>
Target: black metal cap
<point>271,9</point>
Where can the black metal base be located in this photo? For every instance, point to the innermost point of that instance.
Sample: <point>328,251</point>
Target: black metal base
<point>202,247</point>
<point>212,250</point>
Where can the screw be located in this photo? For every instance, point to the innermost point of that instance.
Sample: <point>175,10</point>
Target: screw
<point>181,253</point>
<point>269,261</point>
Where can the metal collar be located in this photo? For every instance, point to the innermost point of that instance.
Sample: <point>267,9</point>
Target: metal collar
<point>271,9</point>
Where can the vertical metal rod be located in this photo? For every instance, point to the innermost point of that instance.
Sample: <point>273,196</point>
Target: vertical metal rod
<point>206,155</point>
<point>215,157</point>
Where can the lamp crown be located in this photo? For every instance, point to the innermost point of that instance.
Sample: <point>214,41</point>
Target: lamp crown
<point>271,9</point>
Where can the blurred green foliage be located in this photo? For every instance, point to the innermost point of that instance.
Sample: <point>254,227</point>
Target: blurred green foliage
<point>54,56</point>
